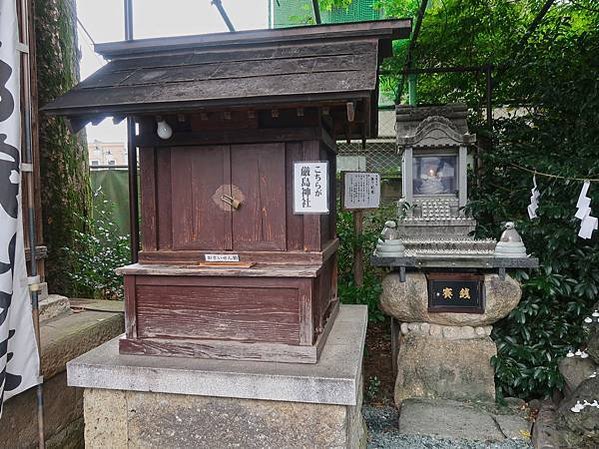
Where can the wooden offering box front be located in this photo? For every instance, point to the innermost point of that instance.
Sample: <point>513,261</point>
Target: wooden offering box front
<point>223,120</point>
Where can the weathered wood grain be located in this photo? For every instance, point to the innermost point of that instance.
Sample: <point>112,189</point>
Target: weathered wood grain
<point>238,136</point>
<point>300,36</point>
<point>203,70</point>
<point>197,56</point>
<point>219,349</point>
<point>346,82</point>
<point>130,308</point>
<point>198,221</point>
<point>241,313</point>
<point>259,172</point>
<point>149,215</point>
<point>164,206</point>
<point>257,270</point>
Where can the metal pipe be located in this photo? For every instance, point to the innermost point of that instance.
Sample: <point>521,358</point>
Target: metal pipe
<point>413,39</point>
<point>132,154</point>
<point>223,14</point>
<point>31,212</point>
<point>412,92</point>
<point>129,20</point>
<point>316,8</point>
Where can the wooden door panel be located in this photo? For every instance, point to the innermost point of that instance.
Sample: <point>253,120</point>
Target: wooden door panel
<point>198,221</point>
<point>259,173</point>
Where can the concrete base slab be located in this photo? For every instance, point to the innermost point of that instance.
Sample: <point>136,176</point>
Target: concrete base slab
<point>52,306</point>
<point>64,337</point>
<point>157,402</point>
<point>458,420</point>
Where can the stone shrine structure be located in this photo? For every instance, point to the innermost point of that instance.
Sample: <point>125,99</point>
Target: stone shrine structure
<point>447,290</point>
<point>238,267</point>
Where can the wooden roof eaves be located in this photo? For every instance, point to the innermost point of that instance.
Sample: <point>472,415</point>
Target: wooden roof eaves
<point>381,29</point>
<point>80,117</point>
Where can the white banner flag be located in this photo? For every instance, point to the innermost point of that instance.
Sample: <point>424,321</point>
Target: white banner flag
<point>19,359</point>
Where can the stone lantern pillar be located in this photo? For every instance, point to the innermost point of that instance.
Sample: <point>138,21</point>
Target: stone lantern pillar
<point>447,289</point>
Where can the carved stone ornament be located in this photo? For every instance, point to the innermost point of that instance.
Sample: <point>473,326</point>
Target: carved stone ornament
<point>510,243</point>
<point>389,244</point>
<point>434,131</point>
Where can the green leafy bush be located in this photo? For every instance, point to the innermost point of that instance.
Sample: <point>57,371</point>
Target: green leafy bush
<point>97,253</point>
<point>349,292</point>
<point>560,135</point>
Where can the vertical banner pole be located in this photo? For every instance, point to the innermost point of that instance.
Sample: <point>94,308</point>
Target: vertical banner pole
<point>27,131</point>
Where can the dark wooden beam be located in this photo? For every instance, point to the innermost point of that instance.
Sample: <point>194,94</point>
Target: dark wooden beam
<point>382,29</point>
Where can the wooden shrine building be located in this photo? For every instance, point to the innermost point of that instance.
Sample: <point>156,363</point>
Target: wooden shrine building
<point>236,137</point>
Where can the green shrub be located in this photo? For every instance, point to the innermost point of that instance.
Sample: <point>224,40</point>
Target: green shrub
<point>561,137</point>
<point>97,253</point>
<point>349,292</point>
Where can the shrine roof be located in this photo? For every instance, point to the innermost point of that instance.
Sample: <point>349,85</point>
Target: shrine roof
<point>410,117</point>
<point>303,65</point>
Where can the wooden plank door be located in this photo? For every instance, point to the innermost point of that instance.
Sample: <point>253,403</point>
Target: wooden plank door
<point>200,176</point>
<point>258,176</point>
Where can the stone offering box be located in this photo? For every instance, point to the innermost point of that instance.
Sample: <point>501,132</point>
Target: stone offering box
<point>446,288</point>
<point>228,267</point>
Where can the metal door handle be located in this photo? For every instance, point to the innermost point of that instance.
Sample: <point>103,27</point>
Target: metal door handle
<point>228,199</point>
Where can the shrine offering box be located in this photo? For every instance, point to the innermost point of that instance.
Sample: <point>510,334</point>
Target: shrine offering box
<point>238,252</point>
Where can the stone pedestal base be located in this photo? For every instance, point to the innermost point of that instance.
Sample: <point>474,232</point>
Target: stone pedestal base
<point>435,367</point>
<point>157,402</point>
<point>445,354</point>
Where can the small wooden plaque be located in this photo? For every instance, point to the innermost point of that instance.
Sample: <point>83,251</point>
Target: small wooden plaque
<point>456,292</point>
<point>226,264</point>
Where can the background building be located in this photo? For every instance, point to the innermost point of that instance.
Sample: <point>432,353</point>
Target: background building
<point>107,153</point>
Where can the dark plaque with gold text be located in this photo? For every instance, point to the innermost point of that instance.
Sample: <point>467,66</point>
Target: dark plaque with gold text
<point>455,292</point>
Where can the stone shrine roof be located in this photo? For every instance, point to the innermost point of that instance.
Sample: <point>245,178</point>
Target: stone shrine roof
<point>445,124</point>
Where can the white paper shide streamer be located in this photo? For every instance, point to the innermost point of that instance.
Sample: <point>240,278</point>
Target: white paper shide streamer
<point>534,199</point>
<point>19,360</point>
<point>588,223</point>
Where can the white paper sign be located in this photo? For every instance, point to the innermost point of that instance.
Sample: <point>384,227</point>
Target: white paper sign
<point>311,187</point>
<point>221,257</point>
<point>361,190</point>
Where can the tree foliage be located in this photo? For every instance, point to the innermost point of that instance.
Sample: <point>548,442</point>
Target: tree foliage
<point>546,100</point>
<point>66,193</point>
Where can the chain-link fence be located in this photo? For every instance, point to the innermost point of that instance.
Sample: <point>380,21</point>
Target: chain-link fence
<point>380,154</point>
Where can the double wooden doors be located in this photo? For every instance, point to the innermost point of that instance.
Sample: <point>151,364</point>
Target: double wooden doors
<point>229,197</point>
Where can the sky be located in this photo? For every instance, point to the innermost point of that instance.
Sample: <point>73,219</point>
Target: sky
<point>104,22</point>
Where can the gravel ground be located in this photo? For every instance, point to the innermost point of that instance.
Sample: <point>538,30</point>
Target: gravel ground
<point>383,433</point>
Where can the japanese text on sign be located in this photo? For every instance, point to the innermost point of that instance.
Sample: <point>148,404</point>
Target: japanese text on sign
<point>361,190</point>
<point>310,187</point>
<point>454,293</point>
<point>221,257</point>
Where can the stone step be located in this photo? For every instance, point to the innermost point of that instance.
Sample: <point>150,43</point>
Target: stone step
<point>470,421</point>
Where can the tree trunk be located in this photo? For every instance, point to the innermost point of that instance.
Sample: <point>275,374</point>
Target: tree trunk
<point>66,192</point>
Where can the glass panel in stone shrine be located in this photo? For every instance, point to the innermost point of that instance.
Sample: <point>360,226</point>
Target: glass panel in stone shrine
<point>434,175</point>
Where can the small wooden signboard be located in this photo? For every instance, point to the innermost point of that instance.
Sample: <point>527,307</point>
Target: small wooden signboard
<point>455,292</point>
<point>361,190</point>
